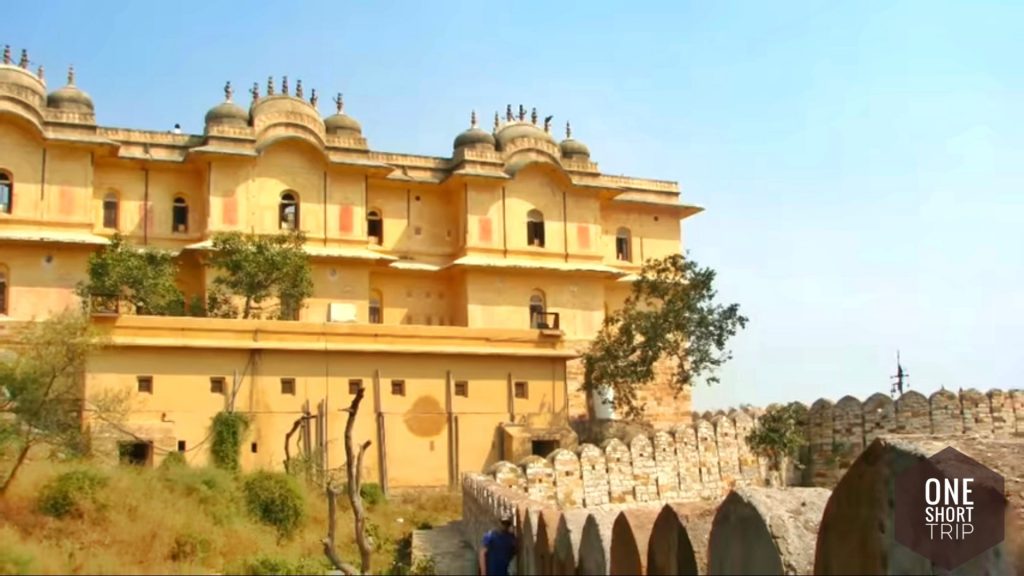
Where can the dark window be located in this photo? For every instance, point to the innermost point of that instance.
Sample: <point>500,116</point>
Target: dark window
<point>543,448</point>
<point>522,389</point>
<point>135,453</point>
<point>3,292</point>
<point>288,216</point>
<point>354,385</point>
<point>110,211</point>
<point>461,388</point>
<point>398,387</point>
<point>254,447</point>
<point>145,384</point>
<point>537,310</point>
<point>375,310</point>
<point>180,215</point>
<point>623,250</point>
<point>535,228</point>
<point>217,385</point>
<point>6,193</point>
<point>288,386</point>
<point>374,227</point>
<point>181,445</point>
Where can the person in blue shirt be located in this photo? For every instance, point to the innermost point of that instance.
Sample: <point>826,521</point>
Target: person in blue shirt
<point>498,550</point>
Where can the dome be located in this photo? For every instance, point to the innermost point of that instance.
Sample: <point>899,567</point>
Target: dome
<point>227,114</point>
<point>521,129</point>
<point>574,148</point>
<point>474,137</point>
<point>342,124</point>
<point>70,98</point>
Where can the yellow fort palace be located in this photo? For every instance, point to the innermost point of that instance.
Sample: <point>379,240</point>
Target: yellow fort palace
<point>459,290</point>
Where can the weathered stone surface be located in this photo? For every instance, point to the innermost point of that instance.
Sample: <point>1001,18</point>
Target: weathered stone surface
<point>568,482</point>
<point>620,471</point>
<point>775,527</point>
<point>728,450</point>
<point>594,474</point>
<point>857,532</point>
<point>540,478</point>
<point>707,449</point>
<point>544,543</point>
<point>567,541</point>
<point>977,413</point>
<point>1017,402</point>
<point>750,470</point>
<point>913,414</point>
<point>645,473</point>
<point>508,475</point>
<point>688,458</point>
<point>848,431</point>
<point>879,416</point>
<point>946,415</point>
<point>631,534</point>
<point>667,465</point>
<point>595,543</point>
<point>679,539</point>
<point>820,442</point>
<point>526,559</point>
<point>1003,423</point>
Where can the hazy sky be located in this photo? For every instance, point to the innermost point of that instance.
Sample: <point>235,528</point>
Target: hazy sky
<point>862,163</point>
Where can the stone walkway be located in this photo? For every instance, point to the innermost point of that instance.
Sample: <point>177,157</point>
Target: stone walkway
<point>445,544</point>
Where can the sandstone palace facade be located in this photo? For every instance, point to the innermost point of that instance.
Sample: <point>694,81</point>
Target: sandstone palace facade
<point>458,290</point>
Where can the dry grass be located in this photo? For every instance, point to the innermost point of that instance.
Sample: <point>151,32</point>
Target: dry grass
<point>188,521</point>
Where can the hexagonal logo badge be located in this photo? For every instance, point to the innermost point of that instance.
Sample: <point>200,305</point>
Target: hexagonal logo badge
<point>949,508</point>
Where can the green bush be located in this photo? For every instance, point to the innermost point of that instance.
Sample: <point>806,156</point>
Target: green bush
<point>268,565</point>
<point>66,494</point>
<point>189,547</point>
<point>13,561</point>
<point>173,460</point>
<point>228,431</point>
<point>216,490</point>
<point>371,493</point>
<point>275,499</point>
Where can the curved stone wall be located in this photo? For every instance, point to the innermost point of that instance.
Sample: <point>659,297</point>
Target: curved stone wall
<point>679,540</point>
<point>631,534</point>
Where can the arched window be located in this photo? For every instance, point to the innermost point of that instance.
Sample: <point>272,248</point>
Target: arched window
<point>179,214</point>
<point>288,212</point>
<point>3,291</point>
<point>110,210</point>
<point>538,307</point>
<point>623,245</point>
<point>376,308</point>
<point>535,228</point>
<point>375,227</point>
<point>6,193</point>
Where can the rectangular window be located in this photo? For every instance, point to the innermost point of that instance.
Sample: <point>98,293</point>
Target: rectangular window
<point>535,234</point>
<point>6,193</point>
<point>3,293</point>
<point>181,445</point>
<point>110,213</point>
<point>145,384</point>
<point>254,448</point>
<point>216,385</point>
<point>398,387</point>
<point>354,385</point>
<point>462,388</point>
<point>522,389</point>
<point>622,249</point>
<point>375,316</point>
<point>288,386</point>
<point>375,230</point>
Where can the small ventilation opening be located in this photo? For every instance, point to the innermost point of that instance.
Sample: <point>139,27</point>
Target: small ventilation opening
<point>544,447</point>
<point>135,453</point>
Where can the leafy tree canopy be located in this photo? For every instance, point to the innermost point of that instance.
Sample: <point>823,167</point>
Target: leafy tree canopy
<point>257,268</point>
<point>143,280</point>
<point>779,433</point>
<point>670,315</point>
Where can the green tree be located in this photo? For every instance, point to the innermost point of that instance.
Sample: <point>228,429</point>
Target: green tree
<point>142,279</point>
<point>256,268</point>
<point>670,315</point>
<point>42,390</point>
<point>778,435</point>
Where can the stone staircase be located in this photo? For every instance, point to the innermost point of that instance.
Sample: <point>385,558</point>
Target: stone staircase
<point>448,547</point>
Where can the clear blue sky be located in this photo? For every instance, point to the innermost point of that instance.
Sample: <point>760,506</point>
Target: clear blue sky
<point>862,163</point>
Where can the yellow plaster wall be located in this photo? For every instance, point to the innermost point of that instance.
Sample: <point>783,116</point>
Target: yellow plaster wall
<point>22,158</point>
<point>37,288</point>
<point>415,298</point>
<point>502,300</point>
<point>532,188</point>
<point>416,424</point>
<point>653,235</point>
<point>342,282</point>
<point>229,187</point>
<point>346,189</point>
<point>68,190</point>
<point>287,165</point>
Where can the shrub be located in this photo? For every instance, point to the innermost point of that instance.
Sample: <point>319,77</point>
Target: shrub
<point>371,493</point>
<point>216,490</point>
<point>64,495</point>
<point>267,565</point>
<point>274,499</point>
<point>189,547</point>
<point>228,430</point>
<point>12,561</point>
<point>173,460</point>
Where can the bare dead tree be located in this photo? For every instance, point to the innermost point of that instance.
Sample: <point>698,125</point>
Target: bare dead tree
<point>288,440</point>
<point>353,473</point>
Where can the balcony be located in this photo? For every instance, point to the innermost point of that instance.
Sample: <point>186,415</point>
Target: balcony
<point>544,321</point>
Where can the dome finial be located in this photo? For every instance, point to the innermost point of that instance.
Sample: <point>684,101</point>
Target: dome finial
<point>313,98</point>
<point>24,59</point>
<point>71,75</point>
<point>270,85</point>
<point>522,113</point>
<point>547,123</point>
<point>339,102</point>
<point>508,113</point>
<point>41,73</point>
<point>228,92</point>
<point>7,54</point>
<point>497,121</point>
<point>533,116</point>
<point>284,85</point>
<point>568,131</point>
<point>472,119</point>
<point>255,92</point>
<point>298,89</point>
